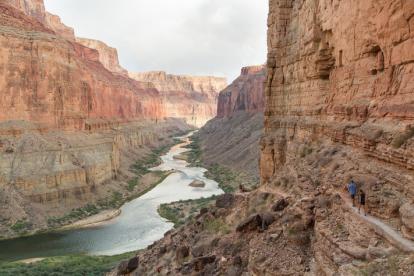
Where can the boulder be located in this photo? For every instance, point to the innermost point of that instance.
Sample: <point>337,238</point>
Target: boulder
<point>127,266</point>
<point>203,211</point>
<point>237,260</point>
<point>407,218</point>
<point>182,252</point>
<point>197,184</point>
<point>198,251</point>
<point>162,250</point>
<point>280,205</point>
<point>214,242</point>
<point>250,224</point>
<point>225,201</point>
<point>199,263</point>
<point>268,219</point>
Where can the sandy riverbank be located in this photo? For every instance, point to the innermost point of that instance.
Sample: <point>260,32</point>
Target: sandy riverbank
<point>103,218</point>
<point>29,261</point>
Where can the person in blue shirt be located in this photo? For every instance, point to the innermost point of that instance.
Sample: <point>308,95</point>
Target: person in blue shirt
<point>352,191</point>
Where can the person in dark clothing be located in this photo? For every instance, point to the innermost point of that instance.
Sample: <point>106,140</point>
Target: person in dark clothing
<point>361,201</point>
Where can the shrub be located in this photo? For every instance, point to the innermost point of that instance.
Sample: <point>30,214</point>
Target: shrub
<point>291,231</point>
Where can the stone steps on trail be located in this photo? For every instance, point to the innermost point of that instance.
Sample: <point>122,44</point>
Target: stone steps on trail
<point>382,229</point>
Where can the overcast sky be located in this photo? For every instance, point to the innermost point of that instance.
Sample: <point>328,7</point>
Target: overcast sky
<point>182,37</point>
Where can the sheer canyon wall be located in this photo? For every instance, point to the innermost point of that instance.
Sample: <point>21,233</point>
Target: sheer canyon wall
<point>59,83</point>
<point>231,139</point>
<point>339,107</point>
<point>340,77</point>
<point>67,123</point>
<point>189,97</point>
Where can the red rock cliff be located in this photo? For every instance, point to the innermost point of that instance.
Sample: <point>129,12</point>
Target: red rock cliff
<point>245,94</point>
<point>340,77</point>
<point>53,22</point>
<point>59,83</point>
<point>108,56</point>
<point>32,8</point>
<point>191,97</point>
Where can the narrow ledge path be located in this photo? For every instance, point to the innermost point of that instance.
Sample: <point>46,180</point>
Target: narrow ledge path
<point>389,234</point>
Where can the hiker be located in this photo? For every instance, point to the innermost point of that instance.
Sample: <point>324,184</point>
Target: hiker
<point>361,201</point>
<point>352,192</point>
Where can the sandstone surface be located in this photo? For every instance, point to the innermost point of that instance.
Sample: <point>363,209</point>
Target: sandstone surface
<point>60,84</point>
<point>191,97</point>
<point>69,127</point>
<point>231,139</point>
<point>340,76</point>
<point>53,22</point>
<point>245,94</point>
<point>339,97</point>
<point>32,8</point>
<point>108,56</point>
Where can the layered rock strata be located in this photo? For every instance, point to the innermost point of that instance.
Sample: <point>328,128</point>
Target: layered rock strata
<point>108,56</point>
<point>67,123</point>
<point>339,99</point>
<point>61,84</point>
<point>45,175</point>
<point>191,97</point>
<point>53,22</point>
<point>231,139</point>
<point>340,74</point>
<point>245,94</point>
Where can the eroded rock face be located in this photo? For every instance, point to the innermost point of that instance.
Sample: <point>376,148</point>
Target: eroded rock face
<point>237,129</point>
<point>61,84</point>
<point>53,22</point>
<point>245,94</point>
<point>32,8</point>
<point>339,75</point>
<point>322,85</point>
<point>191,97</point>
<point>108,56</point>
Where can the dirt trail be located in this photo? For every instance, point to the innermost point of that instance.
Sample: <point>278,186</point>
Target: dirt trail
<point>393,237</point>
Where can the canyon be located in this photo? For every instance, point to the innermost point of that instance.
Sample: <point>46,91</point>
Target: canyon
<point>339,97</point>
<point>188,97</point>
<point>72,121</point>
<point>238,126</point>
<point>333,103</point>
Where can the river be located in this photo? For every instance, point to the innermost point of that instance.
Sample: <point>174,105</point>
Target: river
<point>138,225</point>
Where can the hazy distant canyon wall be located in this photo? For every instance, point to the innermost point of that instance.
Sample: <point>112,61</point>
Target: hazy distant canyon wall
<point>232,138</point>
<point>245,94</point>
<point>191,97</point>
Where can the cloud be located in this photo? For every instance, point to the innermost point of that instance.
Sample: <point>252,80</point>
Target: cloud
<point>189,37</point>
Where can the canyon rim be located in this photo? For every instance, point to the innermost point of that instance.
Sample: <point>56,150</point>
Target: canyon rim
<point>333,103</point>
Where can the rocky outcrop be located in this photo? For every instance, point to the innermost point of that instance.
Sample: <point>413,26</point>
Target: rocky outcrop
<point>108,56</point>
<point>62,93</point>
<point>237,129</point>
<point>245,94</point>
<point>324,86</point>
<point>338,108</point>
<point>32,8</point>
<point>193,98</point>
<point>198,86</point>
<point>53,22</point>
<point>339,77</point>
